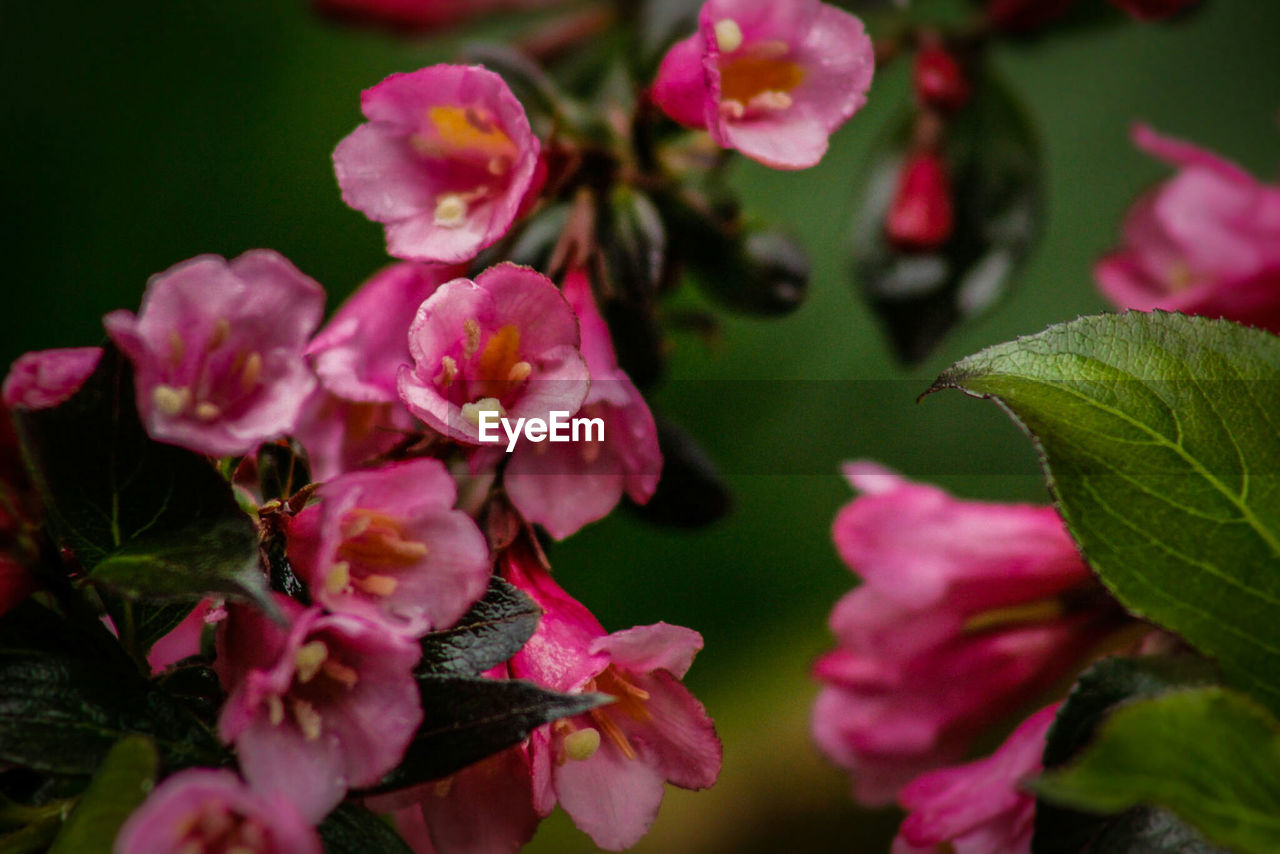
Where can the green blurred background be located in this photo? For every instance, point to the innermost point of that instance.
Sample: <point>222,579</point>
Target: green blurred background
<point>138,134</point>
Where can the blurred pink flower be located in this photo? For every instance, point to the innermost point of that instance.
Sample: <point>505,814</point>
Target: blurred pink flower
<point>203,811</point>
<point>327,705</point>
<point>921,216</point>
<point>444,161</point>
<point>45,378</point>
<point>772,80</point>
<point>966,610</point>
<point>607,768</point>
<point>217,350</point>
<point>507,342</point>
<point>341,435</point>
<point>565,486</point>
<point>979,807</point>
<point>1206,241</point>
<point>387,545</point>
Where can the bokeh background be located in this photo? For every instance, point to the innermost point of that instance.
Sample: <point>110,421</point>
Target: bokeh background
<point>138,133</point>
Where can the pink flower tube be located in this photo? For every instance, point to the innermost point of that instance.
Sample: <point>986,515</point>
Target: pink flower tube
<point>203,811</point>
<point>772,80</point>
<point>45,378</point>
<point>980,807</point>
<point>217,351</point>
<point>1207,241</point>
<point>444,161</point>
<point>328,705</point>
<point>966,610</point>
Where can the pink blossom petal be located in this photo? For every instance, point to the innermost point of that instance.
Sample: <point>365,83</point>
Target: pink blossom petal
<point>612,799</point>
<point>45,378</point>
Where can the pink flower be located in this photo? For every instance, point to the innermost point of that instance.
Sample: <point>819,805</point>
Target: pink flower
<point>1207,241</point>
<point>341,435</point>
<point>772,80</point>
<point>607,767</point>
<point>45,378</point>
<point>966,610</point>
<point>507,342</point>
<point>921,216</point>
<point>217,350</point>
<point>980,807</point>
<point>565,486</point>
<point>203,811</point>
<point>443,162</point>
<point>1152,10</point>
<point>329,704</point>
<point>388,546</point>
<point>183,640</point>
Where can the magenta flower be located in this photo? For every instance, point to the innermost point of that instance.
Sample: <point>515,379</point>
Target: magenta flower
<point>341,435</point>
<point>607,767</point>
<point>183,640</point>
<point>203,811</point>
<point>1207,241</point>
<point>217,350</point>
<point>565,486</point>
<point>980,807</point>
<point>388,546</point>
<point>506,343</point>
<point>966,610</point>
<point>45,378</point>
<point>329,704</point>
<point>772,80</point>
<point>444,161</point>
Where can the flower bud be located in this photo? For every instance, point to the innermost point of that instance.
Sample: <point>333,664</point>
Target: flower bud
<point>921,217</point>
<point>940,81</point>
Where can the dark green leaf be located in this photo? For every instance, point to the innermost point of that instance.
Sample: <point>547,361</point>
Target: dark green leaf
<point>466,719</point>
<point>493,630</point>
<point>282,470</point>
<point>1160,438</point>
<point>352,829</point>
<point>121,783</point>
<point>634,242</point>
<point>1209,754</point>
<point>997,186</point>
<point>144,518</point>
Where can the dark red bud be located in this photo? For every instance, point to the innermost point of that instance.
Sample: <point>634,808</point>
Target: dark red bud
<point>940,81</point>
<point>1152,10</point>
<point>921,216</point>
<point>1020,16</point>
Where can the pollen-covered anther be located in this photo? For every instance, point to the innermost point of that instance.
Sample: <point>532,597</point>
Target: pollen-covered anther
<point>471,411</point>
<point>339,577</point>
<point>252,371</point>
<point>308,719</point>
<point>582,744</point>
<point>451,210</point>
<point>376,585</point>
<point>519,372</point>
<point>1029,613</point>
<point>771,100</point>
<point>340,673</point>
<point>732,109</point>
<point>170,400</point>
<point>275,709</point>
<point>728,35</point>
<point>207,411</point>
<point>308,660</point>
<point>448,372</point>
<point>471,339</point>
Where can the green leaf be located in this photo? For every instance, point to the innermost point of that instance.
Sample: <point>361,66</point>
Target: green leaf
<point>1210,755</point>
<point>491,632</point>
<point>144,518</point>
<point>352,829</point>
<point>122,782</point>
<point>1140,830</point>
<point>466,719</point>
<point>1161,439</point>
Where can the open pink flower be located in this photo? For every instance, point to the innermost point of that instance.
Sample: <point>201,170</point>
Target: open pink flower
<point>966,610</point>
<point>980,807</point>
<point>565,486</point>
<point>1207,241</point>
<point>329,704</point>
<point>387,545</point>
<point>45,378</point>
<point>443,162</point>
<point>217,350</point>
<point>506,343</point>
<point>772,80</point>
<point>607,768</point>
<point>203,811</point>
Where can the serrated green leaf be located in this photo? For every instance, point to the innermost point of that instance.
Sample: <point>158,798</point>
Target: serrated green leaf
<point>491,632</point>
<point>121,783</point>
<point>1210,755</point>
<point>352,829</point>
<point>1161,440</point>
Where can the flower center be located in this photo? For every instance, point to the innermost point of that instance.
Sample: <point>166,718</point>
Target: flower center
<point>215,828</point>
<point>470,134</point>
<point>759,79</point>
<point>195,397</point>
<point>629,701</point>
<point>374,546</point>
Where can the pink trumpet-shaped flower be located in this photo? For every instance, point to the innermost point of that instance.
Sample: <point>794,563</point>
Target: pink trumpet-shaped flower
<point>1206,241</point>
<point>772,80</point>
<point>565,486</point>
<point>607,768</point>
<point>45,378</point>
<point>327,705</point>
<point>217,350</point>
<point>506,343</point>
<point>444,161</point>
<point>980,807</point>
<point>387,545</point>
<point>203,811</point>
<point>966,610</point>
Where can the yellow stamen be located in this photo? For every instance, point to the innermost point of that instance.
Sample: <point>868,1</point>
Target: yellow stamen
<point>756,71</point>
<point>582,744</point>
<point>308,659</point>
<point>252,371</point>
<point>169,400</point>
<point>340,673</point>
<point>275,709</point>
<point>339,577</point>
<point>448,372</point>
<point>471,342</point>
<point>519,372</point>
<point>1015,615</point>
<point>221,332</point>
<point>471,411</point>
<point>308,719</point>
<point>207,411</point>
<point>376,585</point>
<point>728,35</point>
<point>451,210</point>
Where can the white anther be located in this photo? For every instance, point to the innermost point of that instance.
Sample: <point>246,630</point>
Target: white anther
<point>728,35</point>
